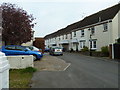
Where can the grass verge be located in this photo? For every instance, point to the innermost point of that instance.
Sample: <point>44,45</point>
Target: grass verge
<point>20,78</point>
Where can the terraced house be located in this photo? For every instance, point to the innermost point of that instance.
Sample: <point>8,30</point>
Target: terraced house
<point>94,31</point>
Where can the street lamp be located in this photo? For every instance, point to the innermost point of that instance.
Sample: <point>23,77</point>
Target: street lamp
<point>90,44</point>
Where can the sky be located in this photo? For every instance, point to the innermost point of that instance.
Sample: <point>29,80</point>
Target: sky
<point>53,15</point>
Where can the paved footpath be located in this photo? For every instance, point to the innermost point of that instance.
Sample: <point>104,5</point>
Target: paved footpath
<point>51,63</point>
<point>75,71</point>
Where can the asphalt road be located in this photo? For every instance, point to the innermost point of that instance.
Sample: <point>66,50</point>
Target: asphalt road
<point>84,72</point>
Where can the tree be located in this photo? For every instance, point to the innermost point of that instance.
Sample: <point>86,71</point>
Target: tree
<point>17,24</point>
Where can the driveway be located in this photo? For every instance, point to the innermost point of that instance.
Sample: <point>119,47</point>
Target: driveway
<point>84,72</point>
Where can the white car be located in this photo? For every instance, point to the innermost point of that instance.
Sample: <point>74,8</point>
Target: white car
<point>56,51</point>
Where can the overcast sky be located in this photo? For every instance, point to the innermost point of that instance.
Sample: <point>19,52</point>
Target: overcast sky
<point>52,15</point>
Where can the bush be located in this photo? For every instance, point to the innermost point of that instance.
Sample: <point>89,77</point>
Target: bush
<point>85,48</point>
<point>105,50</point>
<point>118,40</point>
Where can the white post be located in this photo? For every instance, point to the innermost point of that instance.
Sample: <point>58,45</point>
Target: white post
<point>4,71</point>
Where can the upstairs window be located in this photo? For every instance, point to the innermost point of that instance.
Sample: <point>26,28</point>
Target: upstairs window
<point>63,37</point>
<point>105,27</point>
<point>71,36</point>
<point>59,38</point>
<point>75,34</point>
<point>82,33</point>
<point>66,36</point>
<point>92,30</point>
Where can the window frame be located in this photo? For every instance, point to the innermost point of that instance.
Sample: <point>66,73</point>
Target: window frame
<point>82,33</point>
<point>74,33</point>
<point>93,44</point>
<point>82,44</point>
<point>92,30</point>
<point>105,27</point>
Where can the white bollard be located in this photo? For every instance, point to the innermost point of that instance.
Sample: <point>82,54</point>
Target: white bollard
<point>4,71</point>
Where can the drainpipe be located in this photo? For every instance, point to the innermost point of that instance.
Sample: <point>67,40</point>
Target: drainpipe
<point>90,45</point>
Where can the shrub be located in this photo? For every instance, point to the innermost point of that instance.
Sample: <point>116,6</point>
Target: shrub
<point>105,50</point>
<point>118,40</point>
<point>85,48</point>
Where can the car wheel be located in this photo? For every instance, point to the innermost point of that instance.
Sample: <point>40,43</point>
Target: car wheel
<point>34,57</point>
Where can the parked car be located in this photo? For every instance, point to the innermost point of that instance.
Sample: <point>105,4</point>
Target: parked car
<point>20,50</point>
<point>56,51</point>
<point>46,49</point>
<point>33,48</point>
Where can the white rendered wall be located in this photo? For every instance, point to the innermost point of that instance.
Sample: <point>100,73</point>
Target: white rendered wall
<point>115,28</point>
<point>19,62</point>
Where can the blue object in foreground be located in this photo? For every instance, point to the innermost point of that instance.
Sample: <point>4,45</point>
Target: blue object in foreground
<point>20,50</point>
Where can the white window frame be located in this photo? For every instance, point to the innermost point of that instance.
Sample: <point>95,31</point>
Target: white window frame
<point>66,37</point>
<point>92,30</point>
<point>74,33</point>
<point>71,36</point>
<point>105,27</point>
<point>82,44</point>
<point>82,33</point>
<point>93,44</point>
<point>63,37</point>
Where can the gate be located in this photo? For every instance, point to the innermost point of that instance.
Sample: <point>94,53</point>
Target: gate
<point>110,51</point>
<point>116,51</point>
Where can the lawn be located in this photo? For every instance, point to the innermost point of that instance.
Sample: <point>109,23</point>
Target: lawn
<point>21,78</point>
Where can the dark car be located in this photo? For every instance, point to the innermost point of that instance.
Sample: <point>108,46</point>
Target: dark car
<point>56,51</point>
<point>20,50</point>
<point>46,49</point>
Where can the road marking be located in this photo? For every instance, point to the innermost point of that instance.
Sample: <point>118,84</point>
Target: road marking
<point>67,66</point>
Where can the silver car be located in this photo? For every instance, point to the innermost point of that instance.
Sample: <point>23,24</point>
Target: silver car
<point>56,51</point>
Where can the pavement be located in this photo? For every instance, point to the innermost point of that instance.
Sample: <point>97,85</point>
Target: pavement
<point>51,63</point>
<point>73,70</point>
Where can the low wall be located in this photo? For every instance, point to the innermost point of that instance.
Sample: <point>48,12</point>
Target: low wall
<point>20,61</point>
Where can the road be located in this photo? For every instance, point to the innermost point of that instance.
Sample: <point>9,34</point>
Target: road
<point>84,72</point>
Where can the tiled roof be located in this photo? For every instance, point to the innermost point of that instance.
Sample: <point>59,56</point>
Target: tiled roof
<point>100,16</point>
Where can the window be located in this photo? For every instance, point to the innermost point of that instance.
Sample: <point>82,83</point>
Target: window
<point>82,44</point>
<point>75,34</point>
<point>92,30</point>
<point>20,48</point>
<point>105,27</point>
<point>82,33</point>
<point>63,36</point>
<point>66,36</point>
<point>10,47</point>
<point>93,44</point>
<point>59,38</point>
<point>71,36</point>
